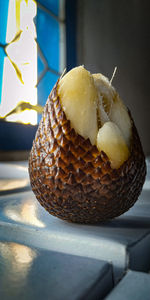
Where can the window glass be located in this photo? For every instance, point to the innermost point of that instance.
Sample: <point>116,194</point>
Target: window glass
<point>20,63</point>
<point>32,55</point>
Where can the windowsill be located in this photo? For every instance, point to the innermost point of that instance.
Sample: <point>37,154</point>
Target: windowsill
<point>16,140</point>
<point>14,156</point>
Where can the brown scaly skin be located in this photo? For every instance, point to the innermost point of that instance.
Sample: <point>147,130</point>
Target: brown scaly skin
<point>72,179</point>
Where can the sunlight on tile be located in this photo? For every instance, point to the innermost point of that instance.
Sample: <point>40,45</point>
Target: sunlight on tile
<point>17,260</point>
<point>26,214</point>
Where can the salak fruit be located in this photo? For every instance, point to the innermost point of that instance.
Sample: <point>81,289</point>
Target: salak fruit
<point>86,164</point>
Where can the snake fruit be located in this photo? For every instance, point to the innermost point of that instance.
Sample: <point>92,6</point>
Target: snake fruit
<point>86,164</point>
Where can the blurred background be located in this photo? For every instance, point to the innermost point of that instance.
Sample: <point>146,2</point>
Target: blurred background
<point>39,39</point>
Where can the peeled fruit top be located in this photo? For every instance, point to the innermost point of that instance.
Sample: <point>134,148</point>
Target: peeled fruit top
<point>78,96</point>
<point>96,112</point>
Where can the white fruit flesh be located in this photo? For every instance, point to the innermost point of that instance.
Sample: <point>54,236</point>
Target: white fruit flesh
<point>114,110</point>
<point>78,96</point>
<point>96,112</point>
<point>120,116</point>
<point>111,141</point>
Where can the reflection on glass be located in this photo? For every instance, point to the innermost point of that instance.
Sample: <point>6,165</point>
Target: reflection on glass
<point>20,64</point>
<point>16,261</point>
<point>27,213</point>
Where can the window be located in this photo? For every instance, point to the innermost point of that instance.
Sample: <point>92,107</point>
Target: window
<point>33,54</point>
<point>20,61</point>
<point>37,42</point>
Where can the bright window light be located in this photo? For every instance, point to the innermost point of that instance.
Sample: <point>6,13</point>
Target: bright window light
<point>20,64</point>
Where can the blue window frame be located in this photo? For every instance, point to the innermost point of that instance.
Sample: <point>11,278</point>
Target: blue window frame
<point>49,25</point>
<point>55,19</point>
<point>3,26</point>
